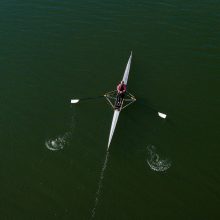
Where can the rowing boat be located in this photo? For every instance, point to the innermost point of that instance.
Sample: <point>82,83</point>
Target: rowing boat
<point>128,98</point>
<point>118,103</point>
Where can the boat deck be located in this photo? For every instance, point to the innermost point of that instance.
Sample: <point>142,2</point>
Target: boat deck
<point>119,102</point>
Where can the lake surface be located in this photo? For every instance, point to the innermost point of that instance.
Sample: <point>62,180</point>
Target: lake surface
<point>53,153</point>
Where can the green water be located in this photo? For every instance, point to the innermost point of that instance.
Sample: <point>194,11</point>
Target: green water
<point>52,51</point>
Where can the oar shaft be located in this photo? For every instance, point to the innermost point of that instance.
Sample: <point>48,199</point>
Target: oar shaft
<point>74,101</point>
<point>91,98</point>
<point>160,114</point>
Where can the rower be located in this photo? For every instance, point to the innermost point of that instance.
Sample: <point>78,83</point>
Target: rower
<point>121,88</point>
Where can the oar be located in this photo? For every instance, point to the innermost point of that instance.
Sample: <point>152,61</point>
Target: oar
<point>75,101</point>
<point>160,114</point>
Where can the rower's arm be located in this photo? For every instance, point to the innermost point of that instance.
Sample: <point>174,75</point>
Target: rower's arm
<point>125,88</point>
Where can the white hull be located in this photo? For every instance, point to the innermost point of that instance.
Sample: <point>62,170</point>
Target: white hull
<point>126,73</point>
<point>114,122</point>
<point>117,112</point>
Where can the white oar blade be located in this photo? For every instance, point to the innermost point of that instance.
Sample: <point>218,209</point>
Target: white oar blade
<point>162,115</point>
<point>74,101</point>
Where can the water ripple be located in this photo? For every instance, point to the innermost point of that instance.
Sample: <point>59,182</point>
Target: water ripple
<point>155,162</point>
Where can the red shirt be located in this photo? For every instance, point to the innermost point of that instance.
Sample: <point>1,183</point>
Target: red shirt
<point>121,88</point>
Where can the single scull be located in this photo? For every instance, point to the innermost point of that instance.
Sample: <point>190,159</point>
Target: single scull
<point>117,108</point>
<point>118,102</point>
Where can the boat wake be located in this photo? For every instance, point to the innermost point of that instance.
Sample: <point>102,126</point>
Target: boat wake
<point>58,143</point>
<point>98,192</point>
<point>154,160</point>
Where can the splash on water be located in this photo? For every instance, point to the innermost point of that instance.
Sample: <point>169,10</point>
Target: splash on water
<point>58,143</point>
<point>155,162</point>
<point>98,192</point>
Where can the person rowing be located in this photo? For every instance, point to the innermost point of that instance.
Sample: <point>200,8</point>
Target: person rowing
<point>121,89</point>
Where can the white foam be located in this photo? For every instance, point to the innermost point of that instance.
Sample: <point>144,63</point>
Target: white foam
<point>154,160</point>
<point>58,143</point>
